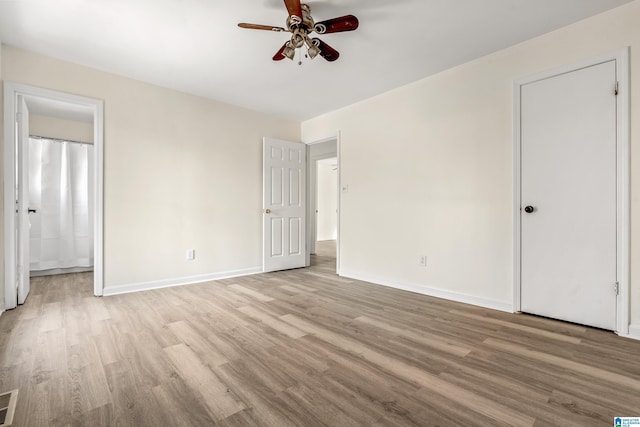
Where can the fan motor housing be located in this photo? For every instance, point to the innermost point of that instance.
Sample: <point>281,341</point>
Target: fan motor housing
<point>307,21</point>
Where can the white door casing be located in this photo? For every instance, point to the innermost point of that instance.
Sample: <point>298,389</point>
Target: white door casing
<point>12,91</point>
<point>22,202</point>
<point>284,205</point>
<point>571,166</point>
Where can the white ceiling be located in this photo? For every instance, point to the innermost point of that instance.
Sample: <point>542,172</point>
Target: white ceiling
<point>195,46</point>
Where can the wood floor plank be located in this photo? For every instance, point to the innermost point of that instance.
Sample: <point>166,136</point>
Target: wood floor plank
<point>250,292</point>
<point>111,344</point>
<point>96,308</point>
<point>321,408</point>
<point>282,327</point>
<point>431,340</point>
<point>536,408</point>
<point>593,371</point>
<point>511,325</point>
<point>181,405</point>
<point>132,404</point>
<point>299,355</point>
<point>297,288</point>
<point>432,382</point>
<point>88,386</point>
<point>197,343</point>
<point>591,412</point>
<point>265,405</point>
<point>48,404</point>
<point>216,396</point>
<point>49,357</point>
<point>19,342</point>
<point>102,416</point>
<point>51,317</point>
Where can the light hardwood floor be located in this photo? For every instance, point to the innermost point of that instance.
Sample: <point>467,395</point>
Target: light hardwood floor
<point>303,348</point>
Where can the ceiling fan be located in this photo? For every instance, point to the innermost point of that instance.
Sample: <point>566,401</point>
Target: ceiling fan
<point>300,24</point>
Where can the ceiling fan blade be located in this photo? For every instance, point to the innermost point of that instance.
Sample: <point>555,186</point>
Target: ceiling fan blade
<point>326,51</point>
<point>337,25</point>
<point>294,7</point>
<point>260,27</point>
<point>279,56</point>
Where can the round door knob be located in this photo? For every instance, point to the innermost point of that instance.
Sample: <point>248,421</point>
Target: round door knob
<point>529,209</point>
<point>267,211</point>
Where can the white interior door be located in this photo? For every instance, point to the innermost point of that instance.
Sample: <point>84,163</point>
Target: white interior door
<point>22,204</point>
<point>568,196</point>
<point>284,205</point>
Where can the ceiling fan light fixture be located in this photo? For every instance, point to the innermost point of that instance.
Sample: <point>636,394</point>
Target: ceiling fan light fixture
<point>301,24</point>
<point>298,39</point>
<point>289,51</point>
<point>313,51</point>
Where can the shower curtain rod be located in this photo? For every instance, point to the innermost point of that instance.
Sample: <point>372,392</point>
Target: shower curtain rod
<point>60,140</point>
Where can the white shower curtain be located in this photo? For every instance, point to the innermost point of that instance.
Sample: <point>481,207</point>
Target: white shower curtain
<point>61,192</point>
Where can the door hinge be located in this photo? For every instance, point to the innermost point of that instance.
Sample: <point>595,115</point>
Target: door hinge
<point>616,288</point>
<point>615,89</point>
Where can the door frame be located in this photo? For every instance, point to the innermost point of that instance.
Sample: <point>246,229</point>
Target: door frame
<point>11,92</point>
<point>623,178</point>
<point>336,137</point>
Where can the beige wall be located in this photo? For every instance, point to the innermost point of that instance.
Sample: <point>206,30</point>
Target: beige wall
<point>181,172</point>
<point>429,166</point>
<point>54,127</point>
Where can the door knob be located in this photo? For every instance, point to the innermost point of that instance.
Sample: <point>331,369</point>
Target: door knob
<point>267,211</point>
<point>31,210</point>
<point>529,209</point>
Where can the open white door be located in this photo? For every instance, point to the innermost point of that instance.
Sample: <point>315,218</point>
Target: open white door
<point>22,202</point>
<point>284,205</point>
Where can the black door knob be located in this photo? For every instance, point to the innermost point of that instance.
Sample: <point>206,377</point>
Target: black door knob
<point>529,209</point>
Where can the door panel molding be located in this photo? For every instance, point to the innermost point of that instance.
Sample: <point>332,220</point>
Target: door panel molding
<point>11,92</point>
<point>621,58</point>
<point>284,205</point>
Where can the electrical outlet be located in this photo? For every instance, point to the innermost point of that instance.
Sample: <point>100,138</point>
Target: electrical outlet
<point>422,260</point>
<point>191,254</point>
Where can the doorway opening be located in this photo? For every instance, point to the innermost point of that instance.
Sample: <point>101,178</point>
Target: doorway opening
<point>55,224</point>
<point>326,211</point>
<point>323,201</point>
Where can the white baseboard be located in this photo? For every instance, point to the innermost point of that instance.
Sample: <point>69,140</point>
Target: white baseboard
<point>179,281</point>
<point>54,271</point>
<point>434,292</point>
<point>634,332</point>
